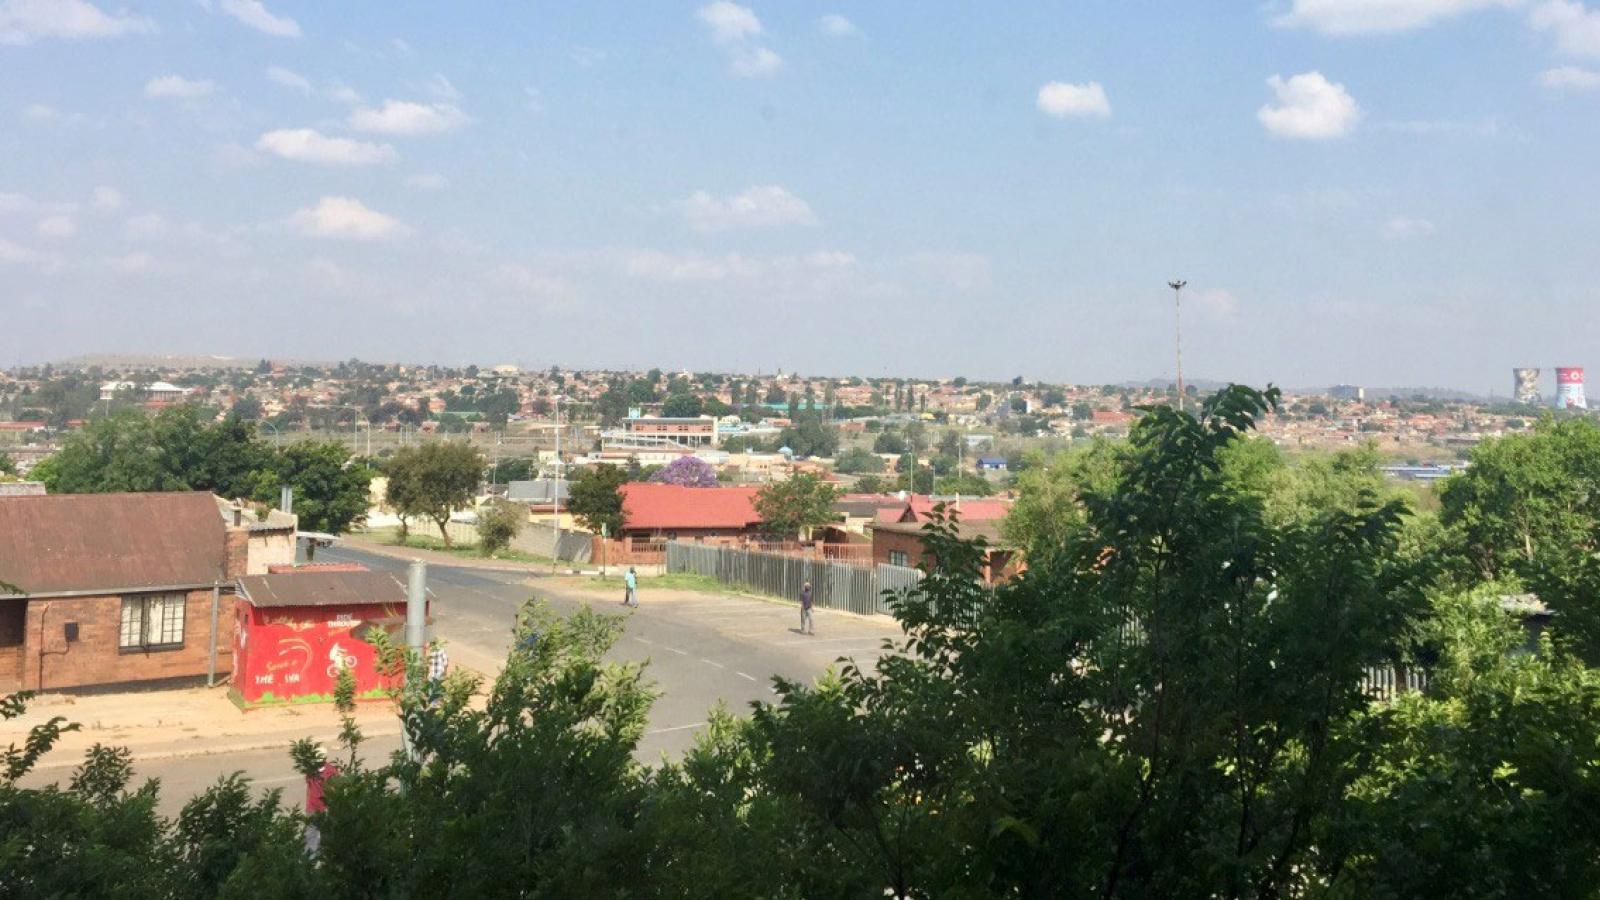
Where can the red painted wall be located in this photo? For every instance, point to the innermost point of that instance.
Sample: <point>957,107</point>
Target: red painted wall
<point>292,654</point>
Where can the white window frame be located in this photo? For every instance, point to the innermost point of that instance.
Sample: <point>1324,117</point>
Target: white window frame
<point>899,558</point>
<point>152,622</point>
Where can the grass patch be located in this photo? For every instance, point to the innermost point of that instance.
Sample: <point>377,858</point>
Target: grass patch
<point>419,541</point>
<point>672,581</point>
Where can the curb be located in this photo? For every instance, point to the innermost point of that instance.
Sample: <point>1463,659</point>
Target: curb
<point>217,750</point>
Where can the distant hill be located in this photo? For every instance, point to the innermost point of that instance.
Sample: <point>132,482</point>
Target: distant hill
<point>153,361</point>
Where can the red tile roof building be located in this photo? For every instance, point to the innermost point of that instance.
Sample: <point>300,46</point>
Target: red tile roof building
<point>670,511</point>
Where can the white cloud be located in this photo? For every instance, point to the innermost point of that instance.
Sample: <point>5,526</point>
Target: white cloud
<point>1401,228</point>
<point>254,14</point>
<point>730,23</point>
<point>345,94</point>
<point>837,26</point>
<point>1484,128</point>
<point>308,145</point>
<point>1576,27</point>
<point>56,227</point>
<point>1570,78</point>
<point>1061,100</point>
<point>22,203</point>
<point>440,86</point>
<point>407,118</point>
<point>108,198</point>
<point>177,87</point>
<point>763,206</point>
<point>230,157</point>
<point>401,46</point>
<point>755,62</point>
<point>132,263</point>
<point>289,79</point>
<point>26,21</point>
<point>40,112</point>
<point>15,254</point>
<point>656,265</point>
<point>1309,107</point>
<point>145,226</point>
<point>553,290</point>
<point>346,218</point>
<point>1345,17</point>
<point>830,259</point>
<point>1219,302</point>
<point>427,181</point>
<point>737,29</point>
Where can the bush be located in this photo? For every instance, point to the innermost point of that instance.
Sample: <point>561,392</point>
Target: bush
<point>498,523</point>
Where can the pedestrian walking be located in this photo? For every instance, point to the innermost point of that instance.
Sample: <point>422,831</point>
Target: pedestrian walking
<point>438,663</point>
<point>315,803</point>
<point>630,588</point>
<point>806,624</point>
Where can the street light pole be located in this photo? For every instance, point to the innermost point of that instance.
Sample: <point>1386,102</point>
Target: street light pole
<point>555,495</point>
<point>1177,332</point>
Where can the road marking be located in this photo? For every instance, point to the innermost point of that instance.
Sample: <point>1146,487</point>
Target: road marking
<point>712,663</point>
<point>675,728</point>
<point>826,641</point>
<point>679,652</point>
<point>743,675</point>
<point>278,780</point>
<point>644,641</point>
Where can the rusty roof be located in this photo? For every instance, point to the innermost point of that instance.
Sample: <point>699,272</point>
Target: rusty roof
<point>72,543</point>
<point>313,588</point>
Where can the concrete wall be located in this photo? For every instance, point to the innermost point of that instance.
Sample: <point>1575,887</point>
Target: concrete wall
<point>268,548</point>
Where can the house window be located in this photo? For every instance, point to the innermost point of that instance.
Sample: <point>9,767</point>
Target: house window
<point>899,558</point>
<point>152,622</point>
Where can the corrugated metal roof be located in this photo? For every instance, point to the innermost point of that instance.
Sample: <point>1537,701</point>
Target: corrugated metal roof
<point>323,589</point>
<point>64,543</point>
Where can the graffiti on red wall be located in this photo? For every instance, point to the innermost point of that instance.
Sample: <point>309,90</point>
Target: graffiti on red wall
<point>296,653</point>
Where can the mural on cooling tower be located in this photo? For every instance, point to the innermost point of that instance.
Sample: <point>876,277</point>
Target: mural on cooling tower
<point>295,654</point>
<point>1569,388</point>
<point>1525,385</point>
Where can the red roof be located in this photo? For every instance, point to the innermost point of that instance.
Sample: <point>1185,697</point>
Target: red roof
<point>665,507</point>
<point>970,510</point>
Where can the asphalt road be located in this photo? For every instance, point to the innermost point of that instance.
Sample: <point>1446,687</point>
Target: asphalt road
<point>698,650</point>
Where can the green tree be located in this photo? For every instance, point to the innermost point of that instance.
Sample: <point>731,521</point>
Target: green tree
<point>857,461</point>
<point>1525,497</point>
<point>331,490</point>
<point>796,505</point>
<point>595,498</point>
<point>178,449</point>
<point>434,480</point>
<point>889,442</point>
<point>498,524</point>
<point>967,484</point>
<point>810,438</point>
<point>7,466</point>
<point>682,406</point>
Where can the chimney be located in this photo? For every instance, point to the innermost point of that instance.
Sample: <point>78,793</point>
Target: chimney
<point>238,516</point>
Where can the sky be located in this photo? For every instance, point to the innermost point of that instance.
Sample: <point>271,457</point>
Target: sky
<point>1380,192</point>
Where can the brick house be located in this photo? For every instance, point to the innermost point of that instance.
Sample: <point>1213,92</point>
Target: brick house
<point>116,589</point>
<point>900,544</point>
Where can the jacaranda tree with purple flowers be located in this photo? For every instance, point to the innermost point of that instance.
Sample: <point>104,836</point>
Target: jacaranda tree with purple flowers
<point>687,471</point>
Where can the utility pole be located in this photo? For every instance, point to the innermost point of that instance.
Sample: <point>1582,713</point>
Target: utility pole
<point>1177,332</point>
<point>416,632</point>
<point>555,495</point>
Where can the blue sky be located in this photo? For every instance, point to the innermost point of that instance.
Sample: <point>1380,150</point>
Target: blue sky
<point>1376,191</point>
